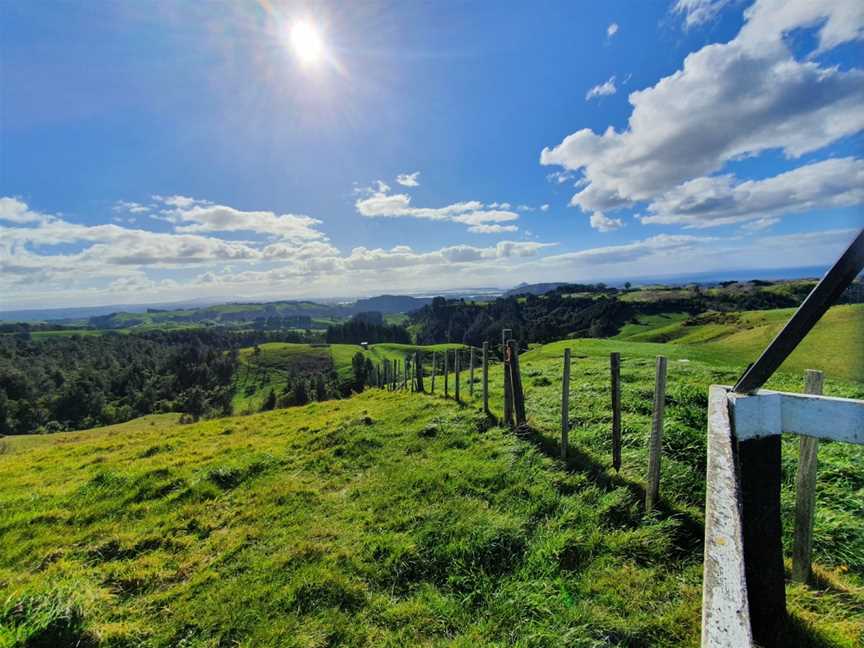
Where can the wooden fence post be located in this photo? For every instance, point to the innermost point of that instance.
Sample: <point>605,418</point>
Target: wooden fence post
<point>655,443</point>
<point>406,363</point>
<point>446,373</point>
<point>805,491</point>
<point>759,463</point>
<point>565,406</point>
<point>508,388</point>
<point>418,364</point>
<point>615,368</point>
<point>434,362</point>
<point>457,368</point>
<point>486,377</point>
<point>516,384</point>
<point>471,373</point>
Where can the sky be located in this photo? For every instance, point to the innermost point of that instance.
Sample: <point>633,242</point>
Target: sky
<point>161,151</point>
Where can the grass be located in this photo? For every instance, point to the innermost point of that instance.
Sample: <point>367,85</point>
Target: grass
<point>834,346</point>
<point>272,367</point>
<point>392,519</point>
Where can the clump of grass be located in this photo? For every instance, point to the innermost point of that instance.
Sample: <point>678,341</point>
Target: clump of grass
<point>47,617</point>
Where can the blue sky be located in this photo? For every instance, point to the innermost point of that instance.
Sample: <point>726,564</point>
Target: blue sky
<point>170,150</point>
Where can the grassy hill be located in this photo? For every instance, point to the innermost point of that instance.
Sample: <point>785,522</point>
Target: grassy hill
<point>275,362</point>
<point>836,344</point>
<point>397,519</point>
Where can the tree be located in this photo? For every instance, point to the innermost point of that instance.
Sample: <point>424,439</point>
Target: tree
<point>358,364</point>
<point>320,388</point>
<point>269,402</point>
<point>300,396</point>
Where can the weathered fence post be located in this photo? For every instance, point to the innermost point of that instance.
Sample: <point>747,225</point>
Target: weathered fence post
<point>457,368</point>
<point>471,373</point>
<point>508,388</point>
<point>760,475</point>
<point>652,489</point>
<point>406,363</point>
<point>446,373</point>
<point>615,368</point>
<point>516,384</point>
<point>805,491</point>
<point>565,406</point>
<point>434,362</point>
<point>418,364</point>
<point>486,377</point>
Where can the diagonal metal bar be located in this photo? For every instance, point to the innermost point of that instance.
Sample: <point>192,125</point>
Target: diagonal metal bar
<point>826,293</point>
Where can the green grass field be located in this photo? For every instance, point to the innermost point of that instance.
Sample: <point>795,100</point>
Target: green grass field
<point>276,362</point>
<point>398,519</point>
<point>834,346</point>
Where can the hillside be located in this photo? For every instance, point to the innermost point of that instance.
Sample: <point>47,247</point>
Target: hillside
<point>834,345</point>
<point>398,519</point>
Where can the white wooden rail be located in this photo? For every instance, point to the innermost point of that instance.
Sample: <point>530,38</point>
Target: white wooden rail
<point>732,418</point>
<point>766,413</point>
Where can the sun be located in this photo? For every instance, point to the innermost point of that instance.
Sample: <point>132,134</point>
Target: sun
<point>306,42</point>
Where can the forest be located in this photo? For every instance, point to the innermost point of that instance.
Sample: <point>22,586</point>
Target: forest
<point>70,382</point>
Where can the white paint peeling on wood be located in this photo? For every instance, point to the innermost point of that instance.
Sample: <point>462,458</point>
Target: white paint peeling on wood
<point>725,613</point>
<point>768,413</point>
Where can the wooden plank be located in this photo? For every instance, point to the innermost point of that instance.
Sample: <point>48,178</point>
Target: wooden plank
<point>760,465</point>
<point>565,406</point>
<point>516,384</point>
<point>725,609</point>
<point>446,373</point>
<point>418,364</point>
<point>457,373</point>
<point>471,373</point>
<point>434,368</point>
<point>768,413</point>
<point>615,369</point>
<point>486,377</point>
<point>805,491</point>
<point>826,293</point>
<point>655,444</point>
<point>508,388</point>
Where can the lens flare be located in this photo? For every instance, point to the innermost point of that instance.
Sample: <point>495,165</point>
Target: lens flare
<point>306,42</point>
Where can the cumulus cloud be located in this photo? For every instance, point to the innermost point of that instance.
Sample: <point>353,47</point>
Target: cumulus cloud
<point>699,12</point>
<point>721,200</point>
<point>612,29</point>
<point>381,204</point>
<point>191,215</point>
<point>13,210</point>
<point>602,90</point>
<point>408,179</point>
<point>131,207</point>
<point>729,101</point>
<point>603,223</point>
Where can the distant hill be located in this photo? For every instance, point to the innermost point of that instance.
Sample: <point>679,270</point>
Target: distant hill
<point>534,289</point>
<point>390,304</point>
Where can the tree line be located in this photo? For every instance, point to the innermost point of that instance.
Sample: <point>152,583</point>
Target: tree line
<point>72,382</point>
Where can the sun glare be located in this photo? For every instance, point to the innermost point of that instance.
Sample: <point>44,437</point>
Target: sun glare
<point>306,42</point>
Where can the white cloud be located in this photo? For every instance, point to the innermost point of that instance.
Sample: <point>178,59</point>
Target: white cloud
<point>408,179</point>
<point>380,204</point>
<point>131,207</point>
<point>761,224</point>
<point>492,229</point>
<point>612,29</point>
<point>544,207</point>
<point>604,89</point>
<point>721,200</point>
<point>603,223</point>
<point>699,12</point>
<point>729,101</point>
<point>190,215</point>
<point>13,210</point>
<point>661,245</point>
